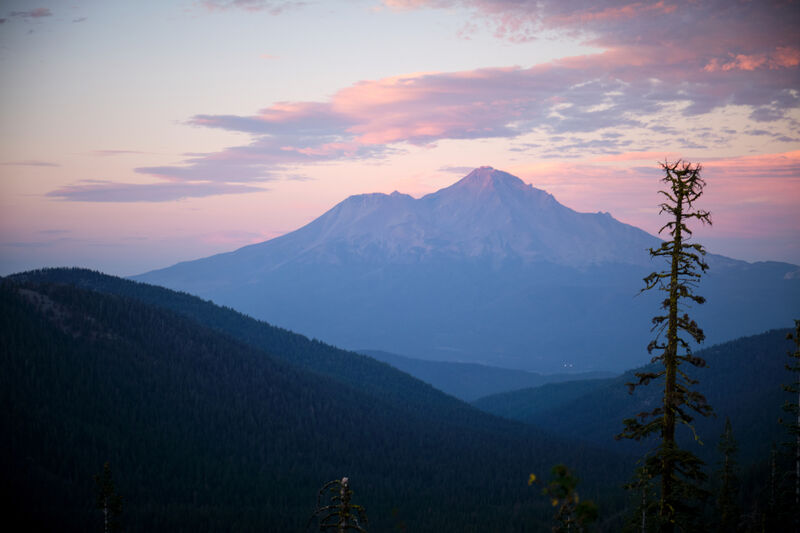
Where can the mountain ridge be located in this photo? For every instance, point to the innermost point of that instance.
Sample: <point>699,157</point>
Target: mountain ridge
<point>488,270</point>
<point>474,216</point>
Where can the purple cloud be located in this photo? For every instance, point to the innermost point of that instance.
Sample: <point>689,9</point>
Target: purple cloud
<point>565,97</point>
<point>99,191</point>
<point>263,158</point>
<point>676,59</point>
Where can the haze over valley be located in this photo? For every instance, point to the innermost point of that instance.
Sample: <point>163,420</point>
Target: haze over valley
<point>488,270</point>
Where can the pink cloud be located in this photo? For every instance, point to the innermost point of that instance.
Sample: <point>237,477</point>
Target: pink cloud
<point>782,57</point>
<point>613,13</point>
<point>701,30</point>
<point>759,167</point>
<point>701,55</point>
<point>751,198</point>
<point>38,12</point>
<point>573,95</point>
<point>638,156</point>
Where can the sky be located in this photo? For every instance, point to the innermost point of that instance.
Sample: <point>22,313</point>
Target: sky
<point>134,135</point>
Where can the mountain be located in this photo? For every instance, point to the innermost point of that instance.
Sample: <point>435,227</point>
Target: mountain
<point>742,380</point>
<point>469,381</point>
<point>489,270</point>
<point>213,421</point>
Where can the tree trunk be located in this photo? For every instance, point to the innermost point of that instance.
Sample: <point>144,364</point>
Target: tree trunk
<point>671,367</point>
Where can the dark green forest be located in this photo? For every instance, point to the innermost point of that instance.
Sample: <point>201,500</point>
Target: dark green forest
<point>742,381</point>
<point>213,421</point>
<point>207,430</point>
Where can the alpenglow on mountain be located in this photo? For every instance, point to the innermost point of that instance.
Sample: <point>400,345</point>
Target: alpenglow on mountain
<point>488,270</point>
<point>489,214</point>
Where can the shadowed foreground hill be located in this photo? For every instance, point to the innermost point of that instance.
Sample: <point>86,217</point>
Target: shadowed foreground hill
<point>215,422</point>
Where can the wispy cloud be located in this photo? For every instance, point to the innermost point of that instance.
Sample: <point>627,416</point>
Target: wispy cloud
<point>651,61</point>
<point>654,71</point>
<point>570,96</point>
<point>461,171</point>
<point>639,156</point>
<point>31,163</point>
<point>105,153</point>
<point>750,197</point>
<point>100,191</point>
<point>297,177</point>
<point>273,8</point>
<point>36,13</point>
<point>785,166</point>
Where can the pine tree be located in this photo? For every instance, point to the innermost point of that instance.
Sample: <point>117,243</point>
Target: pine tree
<point>728,499</point>
<point>108,500</point>
<point>679,470</point>
<point>339,514</point>
<point>572,513</point>
<point>644,504</point>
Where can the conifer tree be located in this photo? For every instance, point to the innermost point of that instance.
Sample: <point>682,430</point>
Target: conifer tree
<point>572,513</point>
<point>339,514</point>
<point>728,499</point>
<point>679,470</point>
<point>108,500</point>
<point>644,502</point>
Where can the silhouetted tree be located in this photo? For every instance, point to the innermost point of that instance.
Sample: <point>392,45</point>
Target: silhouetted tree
<point>108,500</point>
<point>728,498</point>
<point>572,511</point>
<point>645,504</point>
<point>679,470</point>
<point>339,514</point>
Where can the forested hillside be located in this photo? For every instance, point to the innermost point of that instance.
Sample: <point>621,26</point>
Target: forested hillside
<point>742,380</point>
<point>469,381</point>
<point>235,427</point>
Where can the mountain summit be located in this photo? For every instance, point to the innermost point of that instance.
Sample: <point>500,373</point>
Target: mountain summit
<point>489,269</point>
<point>488,215</point>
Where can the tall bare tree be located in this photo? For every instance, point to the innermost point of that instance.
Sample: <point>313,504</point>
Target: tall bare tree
<point>679,470</point>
